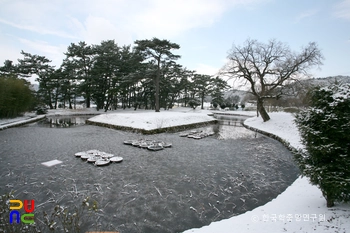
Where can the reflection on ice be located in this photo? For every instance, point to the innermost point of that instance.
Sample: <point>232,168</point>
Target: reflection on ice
<point>230,127</point>
<point>229,132</point>
<point>63,122</point>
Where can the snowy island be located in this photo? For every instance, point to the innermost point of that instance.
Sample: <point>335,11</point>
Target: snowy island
<point>151,122</point>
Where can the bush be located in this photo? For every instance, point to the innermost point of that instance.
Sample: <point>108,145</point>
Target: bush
<point>324,129</point>
<point>194,103</point>
<point>40,110</point>
<point>60,219</point>
<point>15,96</point>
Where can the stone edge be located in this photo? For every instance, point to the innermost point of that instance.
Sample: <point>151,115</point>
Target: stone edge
<point>153,131</point>
<point>23,122</point>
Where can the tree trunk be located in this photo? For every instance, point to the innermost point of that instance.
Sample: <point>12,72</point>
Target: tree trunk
<point>329,199</point>
<point>261,110</point>
<point>202,100</point>
<point>157,87</point>
<point>330,202</point>
<point>87,100</point>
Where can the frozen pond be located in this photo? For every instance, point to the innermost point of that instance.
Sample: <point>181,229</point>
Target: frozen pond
<point>189,185</point>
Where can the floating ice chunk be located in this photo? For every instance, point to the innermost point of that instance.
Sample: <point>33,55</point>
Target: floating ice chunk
<point>51,163</point>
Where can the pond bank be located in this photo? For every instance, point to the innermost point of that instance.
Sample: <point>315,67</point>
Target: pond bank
<point>21,121</point>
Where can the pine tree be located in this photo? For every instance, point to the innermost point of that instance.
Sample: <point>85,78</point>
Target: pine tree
<point>324,129</point>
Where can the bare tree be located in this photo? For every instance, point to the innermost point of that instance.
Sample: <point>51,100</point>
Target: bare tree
<point>268,67</point>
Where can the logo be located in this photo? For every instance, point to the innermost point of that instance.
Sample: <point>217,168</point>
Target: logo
<point>28,206</point>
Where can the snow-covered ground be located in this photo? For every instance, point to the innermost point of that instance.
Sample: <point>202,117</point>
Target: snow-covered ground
<point>301,208</point>
<point>12,122</point>
<point>5,121</point>
<point>281,124</point>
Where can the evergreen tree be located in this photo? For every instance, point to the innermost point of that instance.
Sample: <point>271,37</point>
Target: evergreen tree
<point>82,57</point>
<point>104,72</point>
<point>219,86</point>
<point>159,51</point>
<point>203,85</point>
<point>324,129</point>
<point>40,66</point>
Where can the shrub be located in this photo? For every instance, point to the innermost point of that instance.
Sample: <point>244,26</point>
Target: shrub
<point>61,219</point>
<point>324,128</point>
<point>194,103</point>
<point>40,110</point>
<point>15,96</point>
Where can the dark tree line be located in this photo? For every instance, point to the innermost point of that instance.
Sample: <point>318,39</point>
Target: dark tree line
<point>15,96</point>
<point>144,76</point>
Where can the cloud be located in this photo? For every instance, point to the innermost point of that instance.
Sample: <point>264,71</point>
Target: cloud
<point>8,53</point>
<point>95,29</point>
<point>159,18</point>
<point>342,10</point>
<point>306,14</point>
<point>172,18</point>
<point>42,48</point>
<point>48,27</point>
<point>37,29</point>
<point>115,19</point>
<point>40,17</point>
<point>206,69</point>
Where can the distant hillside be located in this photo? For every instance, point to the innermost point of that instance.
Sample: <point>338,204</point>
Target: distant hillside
<point>327,80</point>
<point>235,92</point>
<point>295,92</point>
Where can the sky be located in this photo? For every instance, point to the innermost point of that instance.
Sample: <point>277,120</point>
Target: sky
<point>205,29</point>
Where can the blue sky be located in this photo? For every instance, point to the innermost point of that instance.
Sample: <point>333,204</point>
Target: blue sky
<point>205,29</point>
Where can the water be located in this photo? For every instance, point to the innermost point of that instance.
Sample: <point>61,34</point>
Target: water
<point>189,185</point>
<point>63,121</point>
<point>231,127</point>
<point>232,120</point>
